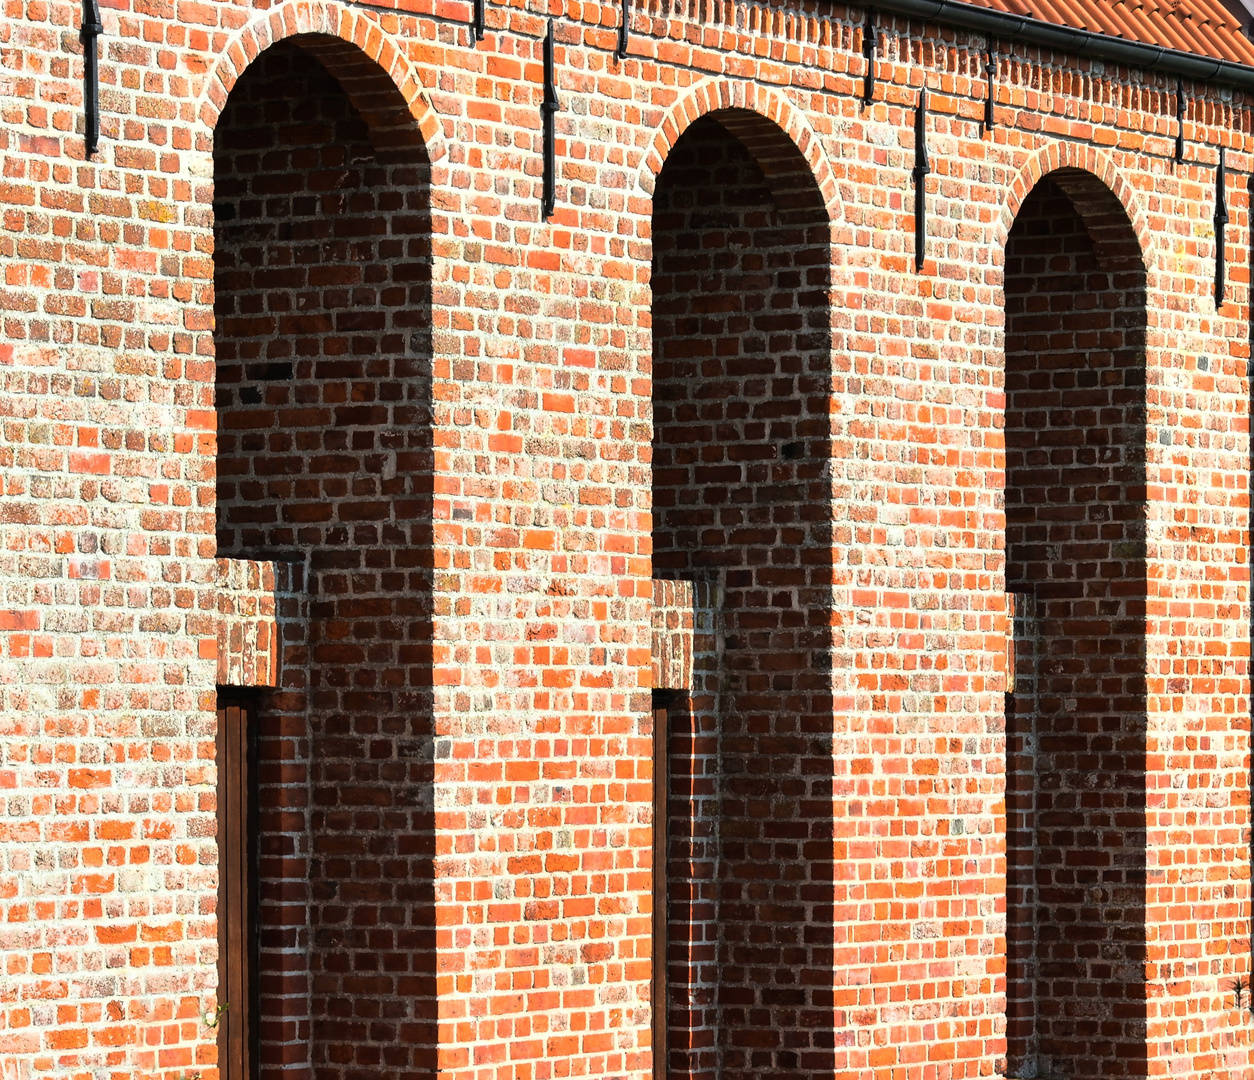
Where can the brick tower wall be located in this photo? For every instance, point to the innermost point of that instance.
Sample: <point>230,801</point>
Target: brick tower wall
<point>1075,551</point>
<point>322,276</point>
<point>740,497</point>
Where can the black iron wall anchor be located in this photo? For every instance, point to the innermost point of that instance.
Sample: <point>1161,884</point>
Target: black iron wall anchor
<point>1179,121</point>
<point>1221,219</point>
<point>624,32</point>
<point>1249,254</point>
<point>869,42</point>
<point>990,74</point>
<point>921,168</point>
<point>548,111</point>
<point>91,31</point>
<point>480,19</point>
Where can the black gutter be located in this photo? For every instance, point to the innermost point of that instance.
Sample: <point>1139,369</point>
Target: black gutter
<point>1025,29</point>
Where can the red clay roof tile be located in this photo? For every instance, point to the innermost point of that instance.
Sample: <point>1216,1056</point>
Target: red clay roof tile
<point>1205,27</point>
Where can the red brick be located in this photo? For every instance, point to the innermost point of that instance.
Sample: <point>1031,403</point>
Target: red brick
<point>455,769</point>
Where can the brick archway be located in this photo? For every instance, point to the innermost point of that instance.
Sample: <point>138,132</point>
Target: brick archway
<point>1086,159</point>
<point>323,391</point>
<point>368,62</point>
<point>723,96</point>
<point>1076,563</point>
<point>741,445</point>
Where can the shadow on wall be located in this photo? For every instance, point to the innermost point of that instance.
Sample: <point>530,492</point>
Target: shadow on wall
<point>742,498</point>
<point>1075,552</point>
<point>322,272</point>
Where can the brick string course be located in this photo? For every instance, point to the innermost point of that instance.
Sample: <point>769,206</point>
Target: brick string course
<point>536,409</point>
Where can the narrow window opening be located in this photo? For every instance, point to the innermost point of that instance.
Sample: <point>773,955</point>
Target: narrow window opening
<point>664,702</point>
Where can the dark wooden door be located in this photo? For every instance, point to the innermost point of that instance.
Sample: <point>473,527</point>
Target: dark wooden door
<point>236,890</point>
<point>661,790</point>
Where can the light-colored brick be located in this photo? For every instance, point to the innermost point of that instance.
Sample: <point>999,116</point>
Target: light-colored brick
<point>673,625</point>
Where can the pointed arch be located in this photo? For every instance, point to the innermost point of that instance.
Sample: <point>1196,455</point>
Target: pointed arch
<point>366,60</point>
<point>725,95</point>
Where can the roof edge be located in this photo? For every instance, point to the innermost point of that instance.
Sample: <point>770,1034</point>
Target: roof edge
<point>1024,28</point>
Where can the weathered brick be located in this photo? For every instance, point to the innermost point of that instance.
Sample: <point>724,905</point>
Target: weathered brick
<point>462,433</point>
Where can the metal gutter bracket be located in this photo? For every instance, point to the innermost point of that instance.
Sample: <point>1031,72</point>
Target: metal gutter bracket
<point>1221,219</point>
<point>990,72</point>
<point>921,168</point>
<point>549,108</point>
<point>1179,121</point>
<point>624,32</point>
<point>870,37</point>
<point>91,30</point>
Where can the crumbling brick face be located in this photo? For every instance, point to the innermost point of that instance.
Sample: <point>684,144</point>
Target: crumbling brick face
<point>741,434</point>
<point>1075,547</point>
<point>322,274</point>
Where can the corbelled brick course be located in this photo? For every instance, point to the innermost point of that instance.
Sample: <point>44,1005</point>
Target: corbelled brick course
<point>469,476</point>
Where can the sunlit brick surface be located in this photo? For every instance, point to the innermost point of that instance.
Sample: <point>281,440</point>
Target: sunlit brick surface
<point>248,635</point>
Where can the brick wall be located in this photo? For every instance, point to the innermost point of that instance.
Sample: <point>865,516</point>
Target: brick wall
<point>540,361</point>
<point>741,434</point>
<point>1075,548</point>
<point>322,277</point>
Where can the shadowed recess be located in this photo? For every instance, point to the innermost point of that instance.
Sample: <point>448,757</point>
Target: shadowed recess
<point>1076,558</point>
<point>742,501</point>
<point>322,272</point>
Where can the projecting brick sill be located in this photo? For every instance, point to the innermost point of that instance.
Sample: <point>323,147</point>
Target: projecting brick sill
<point>683,631</point>
<point>248,638</point>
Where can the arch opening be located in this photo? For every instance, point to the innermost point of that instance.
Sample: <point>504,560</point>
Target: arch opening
<point>1075,289</point>
<point>742,506</point>
<point>322,277</point>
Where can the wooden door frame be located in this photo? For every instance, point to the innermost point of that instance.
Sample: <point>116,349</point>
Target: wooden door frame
<point>237,885</point>
<point>664,703</point>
